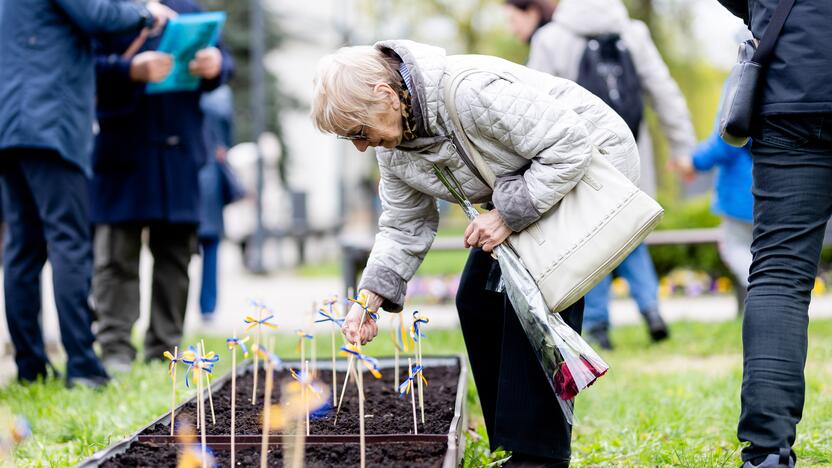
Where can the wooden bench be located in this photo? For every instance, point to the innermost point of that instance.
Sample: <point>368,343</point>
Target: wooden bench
<point>356,250</point>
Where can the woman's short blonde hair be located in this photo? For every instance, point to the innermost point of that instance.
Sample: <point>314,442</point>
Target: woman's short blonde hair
<point>344,97</point>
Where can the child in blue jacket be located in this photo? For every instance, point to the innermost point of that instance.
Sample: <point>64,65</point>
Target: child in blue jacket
<point>732,198</point>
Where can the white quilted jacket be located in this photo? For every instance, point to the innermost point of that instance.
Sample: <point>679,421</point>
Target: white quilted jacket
<point>536,132</point>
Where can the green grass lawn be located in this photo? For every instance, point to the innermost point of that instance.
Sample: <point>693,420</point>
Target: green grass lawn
<point>671,404</point>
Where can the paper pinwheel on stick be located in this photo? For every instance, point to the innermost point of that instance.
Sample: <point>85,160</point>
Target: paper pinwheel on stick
<point>371,364</point>
<point>259,323</point>
<point>272,362</point>
<point>407,387</point>
<point>173,358</point>
<point>361,300</point>
<point>571,364</point>
<point>416,332</point>
<point>329,316</point>
<point>232,344</point>
<point>300,397</point>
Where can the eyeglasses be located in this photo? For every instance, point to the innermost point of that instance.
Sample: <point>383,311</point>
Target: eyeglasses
<point>361,135</point>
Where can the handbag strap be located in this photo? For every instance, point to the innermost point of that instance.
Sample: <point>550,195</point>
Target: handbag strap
<point>469,154</point>
<point>775,25</point>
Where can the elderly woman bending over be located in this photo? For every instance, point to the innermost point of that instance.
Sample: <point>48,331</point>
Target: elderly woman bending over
<point>536,132</point>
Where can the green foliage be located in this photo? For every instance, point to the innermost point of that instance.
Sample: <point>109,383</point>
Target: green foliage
<point>478,453</point>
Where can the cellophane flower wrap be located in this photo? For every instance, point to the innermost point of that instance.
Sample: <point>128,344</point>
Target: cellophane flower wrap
<point>569,362</point>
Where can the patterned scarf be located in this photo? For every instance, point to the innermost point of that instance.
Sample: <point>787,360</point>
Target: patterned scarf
<point>408,117</point>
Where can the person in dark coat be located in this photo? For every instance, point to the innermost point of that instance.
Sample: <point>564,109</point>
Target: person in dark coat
<point>792,187</point>
<point>146,163</point>
<point>46,121</point>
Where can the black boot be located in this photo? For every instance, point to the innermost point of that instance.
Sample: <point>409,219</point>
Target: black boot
<point>600,334</point>
<point>656,326</point>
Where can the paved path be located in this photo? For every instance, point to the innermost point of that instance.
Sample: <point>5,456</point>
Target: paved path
<point>292,298</point>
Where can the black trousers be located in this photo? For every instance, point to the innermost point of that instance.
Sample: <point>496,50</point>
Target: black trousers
<point>116,286</point>
<point>792,157</point>
<point>520,409</point>
<point>46,208</point>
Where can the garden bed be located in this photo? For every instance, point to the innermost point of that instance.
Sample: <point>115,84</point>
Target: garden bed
<point>388,423</point>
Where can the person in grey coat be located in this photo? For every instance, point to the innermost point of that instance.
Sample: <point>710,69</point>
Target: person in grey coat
<point>537,133</point>
<point>557,48</point>
<point>47,83</point>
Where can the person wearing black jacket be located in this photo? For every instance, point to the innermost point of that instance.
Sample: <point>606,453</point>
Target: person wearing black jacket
<point>792,157</point>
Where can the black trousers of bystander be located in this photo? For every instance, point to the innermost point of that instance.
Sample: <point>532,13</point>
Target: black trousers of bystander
<point>792,157</point>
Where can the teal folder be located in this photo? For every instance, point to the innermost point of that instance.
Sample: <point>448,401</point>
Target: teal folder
<point>183,37</point>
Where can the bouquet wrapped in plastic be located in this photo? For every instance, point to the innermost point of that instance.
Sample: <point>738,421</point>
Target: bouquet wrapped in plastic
<point>569,362</point>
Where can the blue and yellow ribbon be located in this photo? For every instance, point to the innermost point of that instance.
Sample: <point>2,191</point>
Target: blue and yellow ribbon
<point>407,385</point>
<point>253,322</point>
<point>370,362</point>
<point>329,317</point>
<point>363,301</point>
<point>418,321</point>
<point>401,339</point>
<point>201,363</point>
<point>173,360</point>
<point>232,343</point>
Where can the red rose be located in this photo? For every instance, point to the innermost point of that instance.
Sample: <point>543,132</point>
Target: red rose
<point>565,385</point>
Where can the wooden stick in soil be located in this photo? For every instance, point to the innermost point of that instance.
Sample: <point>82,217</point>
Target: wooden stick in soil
<point>419,383</point>
<point>257,338</point>
<point>396,378</point>
<point>312,352</point>
<point>267,402</point>
<point>202,413</point>
<point>233,396</point>
<point>210,393</point>
<point>299,448</point>
<point>412,396</point>
<point>350,366</point>
<point>360,383</point>
<point>173,398</point>
<point>334,379</point>
<point>306,396</point>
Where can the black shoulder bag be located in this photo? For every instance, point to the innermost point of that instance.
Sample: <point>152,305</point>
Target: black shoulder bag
<point>744,80</point>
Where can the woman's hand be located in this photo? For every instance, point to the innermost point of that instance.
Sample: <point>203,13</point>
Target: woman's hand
<point>488,230</point>
<point>369,329</point>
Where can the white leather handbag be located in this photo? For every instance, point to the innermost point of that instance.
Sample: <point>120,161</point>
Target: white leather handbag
<point>586,235</point>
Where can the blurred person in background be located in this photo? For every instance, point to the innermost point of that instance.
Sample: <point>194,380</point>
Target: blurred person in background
<point>525,17</point>
<point>146,166</point>
<point>218,187</point>
<point>792,187</point>
<point>47,85</point>
<point>597,45</point>
<point>732,201</point>
<point>386,97</point>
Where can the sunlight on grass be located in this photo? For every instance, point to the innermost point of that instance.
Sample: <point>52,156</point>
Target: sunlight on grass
<point>672,404</point>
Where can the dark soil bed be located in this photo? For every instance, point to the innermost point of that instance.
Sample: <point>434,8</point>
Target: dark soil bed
<point>412,454</point>
<point>385,411</point>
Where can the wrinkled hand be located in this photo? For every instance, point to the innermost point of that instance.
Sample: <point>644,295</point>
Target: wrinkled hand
<point>488,230</point>
<point>161,15</point>
<point>684,167</point>
<point>207,63</point>
<point>369,329</point>
<point>150,66</point>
